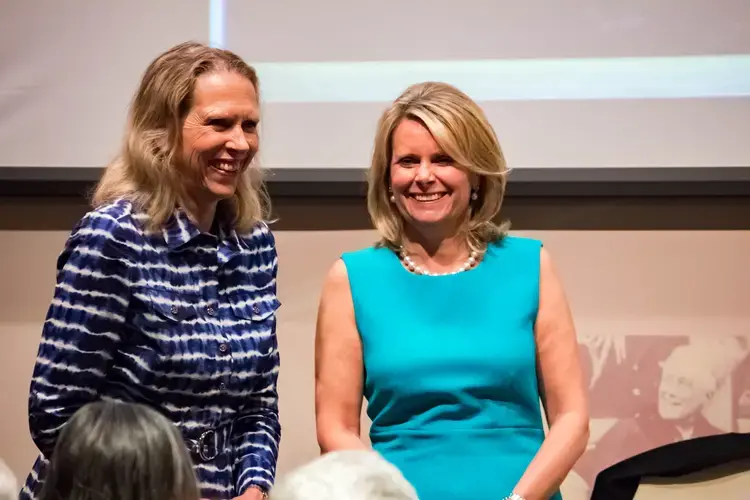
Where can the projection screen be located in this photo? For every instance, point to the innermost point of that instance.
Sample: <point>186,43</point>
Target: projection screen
<point>574,84</point>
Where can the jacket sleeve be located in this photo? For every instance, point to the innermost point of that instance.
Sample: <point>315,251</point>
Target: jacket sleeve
<point>257,431</point>
<point>83,327</point>
<point>257,434</point>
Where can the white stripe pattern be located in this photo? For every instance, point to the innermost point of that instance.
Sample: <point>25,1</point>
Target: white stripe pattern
<point>178,319</point>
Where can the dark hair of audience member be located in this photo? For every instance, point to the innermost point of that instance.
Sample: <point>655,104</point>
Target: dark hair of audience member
<point>119,451</point>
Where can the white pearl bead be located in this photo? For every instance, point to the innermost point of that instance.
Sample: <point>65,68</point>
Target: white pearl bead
<point>419,270</point>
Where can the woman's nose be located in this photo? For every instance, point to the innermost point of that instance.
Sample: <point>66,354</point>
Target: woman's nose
<point>238,141</point>
<point>424,172</point>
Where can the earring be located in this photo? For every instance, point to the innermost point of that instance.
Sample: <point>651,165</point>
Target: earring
<point>392,199</point>
<point>474,195</point>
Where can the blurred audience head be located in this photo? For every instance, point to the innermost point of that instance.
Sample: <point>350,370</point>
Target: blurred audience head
<point>119,451</point>
<point>345,475</point>
<point>8,484</point>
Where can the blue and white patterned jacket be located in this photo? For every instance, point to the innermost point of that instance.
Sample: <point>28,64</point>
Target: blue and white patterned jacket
<point>180,320</point>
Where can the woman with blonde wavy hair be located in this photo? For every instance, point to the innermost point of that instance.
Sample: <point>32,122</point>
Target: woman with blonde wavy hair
<point>166,289</point>
<point>451,328</point>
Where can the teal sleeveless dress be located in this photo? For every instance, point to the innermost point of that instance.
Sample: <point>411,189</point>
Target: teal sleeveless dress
<point>450,368</point>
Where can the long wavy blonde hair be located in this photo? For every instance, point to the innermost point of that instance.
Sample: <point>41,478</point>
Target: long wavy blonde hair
<point>144,170</point>
<point>462,130</point>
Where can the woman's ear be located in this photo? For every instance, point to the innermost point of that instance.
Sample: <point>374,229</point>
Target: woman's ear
<point>476,184</point>
<point>475,181</point>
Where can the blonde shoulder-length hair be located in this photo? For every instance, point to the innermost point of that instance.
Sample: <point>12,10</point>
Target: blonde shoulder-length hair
<point>144,171</point>
<point>462,131</point>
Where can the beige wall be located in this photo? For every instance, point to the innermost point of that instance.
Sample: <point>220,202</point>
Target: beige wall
<point>620,282</point>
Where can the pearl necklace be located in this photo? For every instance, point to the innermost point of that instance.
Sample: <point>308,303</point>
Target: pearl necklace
<point>411,266</point>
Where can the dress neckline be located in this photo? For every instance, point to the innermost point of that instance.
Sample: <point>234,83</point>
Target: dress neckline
<point>397,260</point>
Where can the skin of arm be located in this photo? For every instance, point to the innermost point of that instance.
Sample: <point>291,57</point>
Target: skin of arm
<point>338,366</point>
<point>562,389</point>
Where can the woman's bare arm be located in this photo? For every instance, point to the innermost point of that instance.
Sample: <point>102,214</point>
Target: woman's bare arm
<point>338,366</point>
<point>563,390</point>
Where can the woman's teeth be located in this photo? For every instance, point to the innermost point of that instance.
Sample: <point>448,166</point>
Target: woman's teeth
<point>428,197</point>
<point>226,166</point>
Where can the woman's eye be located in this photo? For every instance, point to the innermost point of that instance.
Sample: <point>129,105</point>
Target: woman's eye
<point>219,124</point>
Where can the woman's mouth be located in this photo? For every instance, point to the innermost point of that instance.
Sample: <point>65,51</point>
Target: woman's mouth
<point>426,197</point>
<point>226,167</point>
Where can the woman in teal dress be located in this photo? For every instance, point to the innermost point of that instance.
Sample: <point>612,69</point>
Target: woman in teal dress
<point>452,330</point>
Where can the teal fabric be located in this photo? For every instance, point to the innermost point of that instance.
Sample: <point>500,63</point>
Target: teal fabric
<point>450,368</point>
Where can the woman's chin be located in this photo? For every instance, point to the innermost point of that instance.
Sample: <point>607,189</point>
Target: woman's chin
<point>430,219</point>
<point>221,184</point>
<point>220,190</point>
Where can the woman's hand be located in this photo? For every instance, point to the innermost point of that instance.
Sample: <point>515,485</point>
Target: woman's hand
<point>251,494</point>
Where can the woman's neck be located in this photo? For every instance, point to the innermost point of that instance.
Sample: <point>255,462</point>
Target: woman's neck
<point>202,214</point>
<point>437,255</point>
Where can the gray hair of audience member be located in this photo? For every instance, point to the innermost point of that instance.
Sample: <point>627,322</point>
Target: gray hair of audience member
<point>8,484</point>
<point>345,475</point>
<point>119,451</point>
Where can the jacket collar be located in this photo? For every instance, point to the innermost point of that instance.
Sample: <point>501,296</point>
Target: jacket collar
<point>180,230</point>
